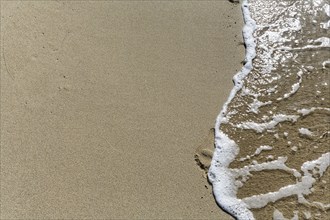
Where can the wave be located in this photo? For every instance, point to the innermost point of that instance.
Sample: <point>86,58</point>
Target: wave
<point>279,104</point>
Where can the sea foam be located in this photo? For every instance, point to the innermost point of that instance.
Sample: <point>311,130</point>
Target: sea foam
<point>219,175</point>
<point>278,95</point>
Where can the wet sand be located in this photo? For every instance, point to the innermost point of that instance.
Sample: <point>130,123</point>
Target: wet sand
<point>103,105</point>
<point>280,118</point>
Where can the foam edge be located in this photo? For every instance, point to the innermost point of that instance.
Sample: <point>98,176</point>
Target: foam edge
<point>226,149</point>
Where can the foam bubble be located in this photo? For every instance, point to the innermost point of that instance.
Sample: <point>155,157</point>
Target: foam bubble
<point>260,127</point>
<point>258,108</point>
<point>305,131</point>
<point>219,175</point>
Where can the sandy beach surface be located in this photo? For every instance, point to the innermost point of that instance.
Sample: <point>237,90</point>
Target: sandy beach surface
<point>103,105</point>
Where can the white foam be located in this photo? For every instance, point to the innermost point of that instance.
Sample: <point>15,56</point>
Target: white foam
<point>256,104</point>
<point>226,150</point>
<point>322,42</point>
<point>294,87</point>
<point>226,181</point>
<point>277,215</point>
<point>294,148</point>
<point>257,152</point>
<point>295,217</point>
<point>305,111</point>
<point>270,157</point>
<point>278,164</point>
<point>307,215</point>
<point>325,25</point>
<point>262,148</point>
<point>306,132</point>
<point>260,127</point>
<point>324,63</point>
<point>301,188</point>
<point>327,9</point>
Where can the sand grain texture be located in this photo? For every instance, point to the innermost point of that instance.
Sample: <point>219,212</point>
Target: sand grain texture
<point>104,103</point>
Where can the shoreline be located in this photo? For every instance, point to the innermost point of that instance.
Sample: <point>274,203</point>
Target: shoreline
<point>271,159</point>
<point>226,149</point>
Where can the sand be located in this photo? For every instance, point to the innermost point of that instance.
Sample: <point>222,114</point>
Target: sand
<point>103,105</point>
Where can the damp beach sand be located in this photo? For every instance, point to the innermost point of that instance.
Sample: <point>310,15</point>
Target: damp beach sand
<point>103,105</point>
<point>272,137</point>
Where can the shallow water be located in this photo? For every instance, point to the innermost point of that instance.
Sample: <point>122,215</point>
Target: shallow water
<point>272,147</point>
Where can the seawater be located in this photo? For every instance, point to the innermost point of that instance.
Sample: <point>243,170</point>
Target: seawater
<point>272,153</point>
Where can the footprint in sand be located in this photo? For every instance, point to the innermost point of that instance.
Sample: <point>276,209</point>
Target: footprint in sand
<point>204,153</point>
